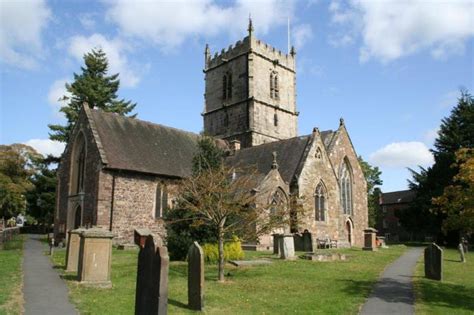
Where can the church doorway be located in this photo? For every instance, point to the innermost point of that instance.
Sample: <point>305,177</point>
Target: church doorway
<point>349,231</point>
<point>77,217</point>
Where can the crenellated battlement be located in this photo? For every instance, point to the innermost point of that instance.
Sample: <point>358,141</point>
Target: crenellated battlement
<point>240,47</point>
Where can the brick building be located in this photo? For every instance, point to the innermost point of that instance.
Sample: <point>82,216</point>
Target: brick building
<point>122,173</point>
<point>388,224</point>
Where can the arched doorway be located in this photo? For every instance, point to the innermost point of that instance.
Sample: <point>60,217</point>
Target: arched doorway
<point>349,231</point>
<point>77,217</point>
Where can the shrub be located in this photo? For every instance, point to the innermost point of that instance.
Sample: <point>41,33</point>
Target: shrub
<point>232,251</point>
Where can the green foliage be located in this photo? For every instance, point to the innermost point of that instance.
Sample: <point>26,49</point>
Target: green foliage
<point>456,132</point>
<point>209,156</point>
<point>232,251</point>
<point>94,87</point>
<point>16,167</point>
<point>372,176</point>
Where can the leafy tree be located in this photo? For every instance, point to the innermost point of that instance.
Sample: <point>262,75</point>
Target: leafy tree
<point>96,88</point>
<point>16,167</point>
<point>209,155</point>
<point>456,132</point>
<point>372,176</point>
<point>457,201</point>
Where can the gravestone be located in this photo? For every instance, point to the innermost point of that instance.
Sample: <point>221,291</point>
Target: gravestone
<point>298,241</point>
<point>72,250</point>
<point>195,277</point>
<point>461,252</point>
<point>434,262</point>
<point>287,246</point>
<point>151,296</point>
<point>95,257</point>
<point>370,239</point>
<point>307,241</point>
<point>276,243</point>
<point>140,236</point>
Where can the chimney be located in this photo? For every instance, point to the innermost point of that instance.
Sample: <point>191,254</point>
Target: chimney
<point>234,146</point>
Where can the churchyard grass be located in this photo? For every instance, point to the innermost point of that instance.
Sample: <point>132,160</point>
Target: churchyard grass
<point>11,297</point>
<point>454,295</point>
<point>283,287</point>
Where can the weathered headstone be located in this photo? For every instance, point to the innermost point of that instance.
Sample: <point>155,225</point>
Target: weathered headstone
<point>196,277</point>
<point>434,262</point>
<point>307,241</point>
<point>72,250</point>
<point>287,246</point>
<point>298,241</point>
<point>140,236</point>
<point>461,252</point>
<point>151,296</point>
<point>370,239</point>
<point>276,243</point>
<point>95,257</point>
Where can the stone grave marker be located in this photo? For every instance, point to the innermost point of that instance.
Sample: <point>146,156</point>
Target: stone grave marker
<point>95,257</point>
<point>307,241</point>
<point>196,277</point>
<point>434,262</point>
<point>370,239</point>
<point>72,250</point>
<point>461,252</point>
<point>276,243</point>
<point>287,246</point>
<point>151,296</point>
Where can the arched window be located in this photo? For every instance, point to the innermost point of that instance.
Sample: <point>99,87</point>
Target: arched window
<point>345,183</point>
<point>78,165</point>
<point>275,86</point>
<point>318,154</point>
<point>161,200</point>
<point>227,86</point>
<point>278,202</point>
<point>320,203</point>
<point>271,85</point>
<point>274,90</point>
<point>275,119</point>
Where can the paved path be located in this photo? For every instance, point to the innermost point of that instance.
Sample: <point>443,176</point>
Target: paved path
<point>44,291</point>
<point>393,294</point>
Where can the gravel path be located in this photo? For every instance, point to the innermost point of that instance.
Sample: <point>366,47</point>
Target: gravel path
<point>44,291</point>
<point>393,293</point>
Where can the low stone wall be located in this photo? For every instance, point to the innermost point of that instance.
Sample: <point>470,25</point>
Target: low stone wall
<point>8,234</point>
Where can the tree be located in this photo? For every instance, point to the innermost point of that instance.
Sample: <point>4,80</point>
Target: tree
<point>223,199</point>
<point>372,177</point>
<point>457,201</point>
<point>94,87</point>
<point>456,132</point>
<point>16,167</point>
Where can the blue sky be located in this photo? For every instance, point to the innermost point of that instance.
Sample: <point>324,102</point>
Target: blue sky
<point>392,69</point>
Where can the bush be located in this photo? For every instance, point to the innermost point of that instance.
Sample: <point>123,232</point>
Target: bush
<point>232,251</point>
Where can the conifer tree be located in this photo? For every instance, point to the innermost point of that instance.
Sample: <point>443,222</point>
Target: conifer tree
<point>95,87</point>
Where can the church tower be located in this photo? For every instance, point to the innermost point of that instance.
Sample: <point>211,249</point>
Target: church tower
<point>250,93</point>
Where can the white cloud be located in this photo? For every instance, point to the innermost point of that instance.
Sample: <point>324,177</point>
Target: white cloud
<point>57,90</point>
<point>47,146</point>
<point>168,24</point>
<point>21,25</point>
<point>87,21</point>
<point>115,50</point>
<point>393,29</point>
<point>302,34</point>
<point>402,154</point>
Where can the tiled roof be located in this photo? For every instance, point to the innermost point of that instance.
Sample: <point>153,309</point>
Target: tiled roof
<point>394,197</point>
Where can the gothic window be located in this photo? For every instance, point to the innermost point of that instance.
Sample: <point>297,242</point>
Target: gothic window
<point>161,200</point>
<point>278,201</point>
<point>320,203</point>
<point>78,165</point>
<point>274,89</point>
<point>345,183</point>
<point>318,154</point>
<point>227,86</point>
<point>275,119</point>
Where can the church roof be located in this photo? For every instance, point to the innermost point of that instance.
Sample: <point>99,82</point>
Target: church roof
<point>327,137</point>
<point>137,145</point>
<point>289,155</point>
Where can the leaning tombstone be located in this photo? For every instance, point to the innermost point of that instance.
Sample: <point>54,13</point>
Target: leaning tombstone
<point>461,252</point>
<point>196,277</point>
<point>140,236</point>
<point>72,250</point>
<point>95,257</point>
<point>433,262</point>
<point>151,296</point>
<point>287,246</point>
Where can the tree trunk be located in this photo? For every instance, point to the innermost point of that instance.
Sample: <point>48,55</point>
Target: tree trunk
<point>221,253</point>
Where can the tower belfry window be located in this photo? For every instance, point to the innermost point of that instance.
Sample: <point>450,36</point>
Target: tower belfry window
<point>275,119</point>
<point>274,89</point>
<point>227,86</point>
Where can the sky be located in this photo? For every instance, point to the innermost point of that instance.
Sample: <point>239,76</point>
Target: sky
<point>391,69</point>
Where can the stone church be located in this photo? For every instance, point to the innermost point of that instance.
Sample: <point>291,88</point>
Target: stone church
<point>122,173</point>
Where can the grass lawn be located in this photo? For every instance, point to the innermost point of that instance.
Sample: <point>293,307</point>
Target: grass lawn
<point>11,297</point>
<point>283,287</point>
<point>455,295</point>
